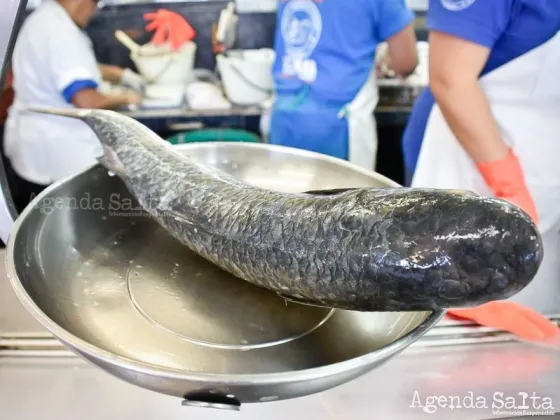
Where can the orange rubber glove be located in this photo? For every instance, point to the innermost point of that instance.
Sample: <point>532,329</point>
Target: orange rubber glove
<point>169,27</point>
<point>505,178</point>
<point>513,318</point>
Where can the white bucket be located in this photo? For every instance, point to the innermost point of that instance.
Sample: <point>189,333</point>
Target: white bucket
<point>161,66</point>
<point>247,75</point>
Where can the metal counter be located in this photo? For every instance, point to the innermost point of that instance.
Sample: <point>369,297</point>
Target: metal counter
<point>187,113</point>
<point>392,99</point>
<point>68,388</point>
<point>450,364</point>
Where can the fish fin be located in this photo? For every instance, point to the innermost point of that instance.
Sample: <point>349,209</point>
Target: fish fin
<point>110,161</point>
<point>301,301</point>
<point>333,191</point>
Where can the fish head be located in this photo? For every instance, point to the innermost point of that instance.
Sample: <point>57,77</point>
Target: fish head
<point>494,249</point>
<point>448,248</point>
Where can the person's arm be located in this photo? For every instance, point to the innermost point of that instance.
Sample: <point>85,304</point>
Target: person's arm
<point>455,66</point>
<point>127,77</point>
<point>402,53</point>
<point>110,73</point>
<point>76,80</point>
<point>91,98</point>
<point>460,43</point>
<point>396,28</point>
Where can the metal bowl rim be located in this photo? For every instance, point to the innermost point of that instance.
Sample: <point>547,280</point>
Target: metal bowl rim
<point>81,346</point>
<point>292,151</point>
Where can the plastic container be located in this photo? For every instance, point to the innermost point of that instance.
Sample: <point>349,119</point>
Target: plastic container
<point>209,135</point>
<point>161,66</point>
<point>247,75</point>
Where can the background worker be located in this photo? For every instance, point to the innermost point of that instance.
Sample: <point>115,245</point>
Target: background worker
<point>490,120</point>
<point>54,66</point>
<point>325,75</point>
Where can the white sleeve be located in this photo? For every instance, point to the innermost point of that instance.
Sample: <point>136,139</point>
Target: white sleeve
<point>71,59</point>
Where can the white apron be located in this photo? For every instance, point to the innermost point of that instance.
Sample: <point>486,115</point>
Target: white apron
<point>525,100</point>
<point>362,129</point>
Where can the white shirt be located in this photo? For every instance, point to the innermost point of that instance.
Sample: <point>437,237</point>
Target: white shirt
<point>51,52</point>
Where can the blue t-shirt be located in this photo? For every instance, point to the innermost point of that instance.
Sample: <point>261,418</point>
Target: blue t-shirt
<point>329,45</point>
<point>510,28</point>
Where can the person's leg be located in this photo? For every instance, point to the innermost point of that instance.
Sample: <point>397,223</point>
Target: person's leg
<point>407,176</point>
<point>26,191</point>
<point>21,190</point>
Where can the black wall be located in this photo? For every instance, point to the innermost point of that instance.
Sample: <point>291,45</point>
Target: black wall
<point>254,30</point>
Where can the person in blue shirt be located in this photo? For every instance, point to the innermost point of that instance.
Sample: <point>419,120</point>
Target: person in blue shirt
<point>505,29</point>
<point>324,72</point>
<point>490,120</point>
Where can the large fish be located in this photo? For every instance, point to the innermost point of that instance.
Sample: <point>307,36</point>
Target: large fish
<point>363,249</point>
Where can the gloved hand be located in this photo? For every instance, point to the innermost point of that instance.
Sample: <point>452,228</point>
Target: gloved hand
<point>132,98</point>
<point>505,178</point>
<point>169,27</point>
<point>514,318</point>
<point>133,81</point>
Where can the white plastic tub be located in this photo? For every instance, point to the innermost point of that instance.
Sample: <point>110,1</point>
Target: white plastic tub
<point>247,75</point>
<point>161,66</point>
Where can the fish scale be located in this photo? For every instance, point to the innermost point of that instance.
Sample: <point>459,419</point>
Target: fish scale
<point>362,249</point>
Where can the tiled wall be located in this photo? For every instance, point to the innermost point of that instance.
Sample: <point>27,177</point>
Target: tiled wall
<point>255,30</point>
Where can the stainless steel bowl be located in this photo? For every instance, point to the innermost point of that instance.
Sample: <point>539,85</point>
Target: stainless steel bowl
<point>119,291</point>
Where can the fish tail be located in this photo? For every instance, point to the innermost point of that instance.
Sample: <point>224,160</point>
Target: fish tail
<point>63,112</point>
<point>110,127</point>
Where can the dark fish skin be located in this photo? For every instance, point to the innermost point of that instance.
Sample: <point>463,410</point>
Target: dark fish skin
<point>365,249</point>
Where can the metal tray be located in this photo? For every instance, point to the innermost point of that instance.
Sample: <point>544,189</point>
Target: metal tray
<point>104,279</point>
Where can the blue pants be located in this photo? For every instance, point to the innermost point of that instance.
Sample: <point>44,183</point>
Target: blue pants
<point>309,126</point>
<point>414,131</point>
<point>407,176</point>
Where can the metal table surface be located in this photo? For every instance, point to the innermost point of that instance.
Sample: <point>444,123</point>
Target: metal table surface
<point>38,376</point>
<point>69,388</point>
<point>393,98</point>
<point>185,112</point>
